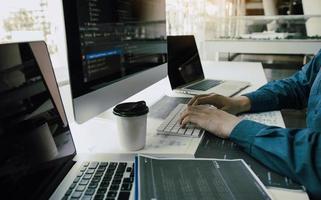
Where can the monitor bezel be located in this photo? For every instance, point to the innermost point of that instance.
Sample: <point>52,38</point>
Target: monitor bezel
<point>73,45</point>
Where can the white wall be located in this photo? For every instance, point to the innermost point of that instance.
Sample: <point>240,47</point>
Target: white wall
<point>35,20</point>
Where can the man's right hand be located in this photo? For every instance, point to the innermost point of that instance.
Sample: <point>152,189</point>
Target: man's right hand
<point>233,105</point>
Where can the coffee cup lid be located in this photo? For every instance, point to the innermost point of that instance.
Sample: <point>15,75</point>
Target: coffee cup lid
<point>131,109</point>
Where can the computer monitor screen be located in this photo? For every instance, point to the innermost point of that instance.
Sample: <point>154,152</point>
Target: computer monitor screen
<point>115,49</point>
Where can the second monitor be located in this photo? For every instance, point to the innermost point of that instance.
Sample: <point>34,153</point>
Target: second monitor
<point>115,49</point>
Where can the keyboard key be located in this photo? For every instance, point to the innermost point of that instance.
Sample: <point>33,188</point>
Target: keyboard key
<point>65,198</point>
<point>189,132</point>
<point>109,173</point>
<point>90,171</point>
<point>116,182</point>
<point>126,180</point>
<point>101,169</point>
<point>80,188</point>
<point>102,191</point>
<point>129,169</point>
<point>104,184</point>
<point>83,169</point>
<point>103,164</point>
<point>99,197</point>
<point>99,174</point>
<point>181,131</point>
<point>94,182</point>
<point>73,185</point>
<point>175,128</point>
<point>96,178</point>
<point>85,164</point>
<point>120,171</point>
<point>119,175</point>
<point>68,192</point>
<point>84,182</point>
<point>93,185</point>
<point>161,128</point>
<point>112,194</point>
<point>76,195</point>
<point>114,187</point>
<point>196,132</point>
<point>123,195</point>
<point>76,179</point>
<point>80,174</point>
<point>86,198</point>
<point>90,191</point>
<point>93,165</point>
<point>87,176</point>
<point>122,164</point>
<point>107,178</point>
<point>168,128</point>
<point>126,186</point>
<point>112,165</point>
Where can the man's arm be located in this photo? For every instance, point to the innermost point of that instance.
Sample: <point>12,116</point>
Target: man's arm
<point>291,152</point>
<point>292,92</point>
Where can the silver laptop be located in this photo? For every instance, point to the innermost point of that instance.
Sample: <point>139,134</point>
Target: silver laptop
<point>38,158</point>
<point>186,74</point>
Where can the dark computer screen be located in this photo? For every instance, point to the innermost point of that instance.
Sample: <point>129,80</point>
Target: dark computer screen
<point>113,39</point>
<point>35,142</point>
<point>184,63</point>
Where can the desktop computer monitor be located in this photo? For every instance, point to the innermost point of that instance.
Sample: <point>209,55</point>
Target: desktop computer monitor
<point>115,49</point>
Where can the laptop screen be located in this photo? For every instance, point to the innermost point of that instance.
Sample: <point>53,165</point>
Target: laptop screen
<point>35,140</point>
<point>184,64</point>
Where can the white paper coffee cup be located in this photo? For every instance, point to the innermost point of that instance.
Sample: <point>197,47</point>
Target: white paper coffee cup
<point>132,124</point>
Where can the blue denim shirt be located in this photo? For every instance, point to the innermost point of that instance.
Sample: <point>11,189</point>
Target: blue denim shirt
<point>295,153</point>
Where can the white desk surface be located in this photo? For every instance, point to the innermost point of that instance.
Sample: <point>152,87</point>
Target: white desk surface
<point>99,135</point>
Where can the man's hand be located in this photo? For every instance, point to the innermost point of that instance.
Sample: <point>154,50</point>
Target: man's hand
<point>211,119</point>
<point>232,105</point>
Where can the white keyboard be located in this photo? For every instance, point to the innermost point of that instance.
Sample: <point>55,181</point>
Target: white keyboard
<point>171,126</point>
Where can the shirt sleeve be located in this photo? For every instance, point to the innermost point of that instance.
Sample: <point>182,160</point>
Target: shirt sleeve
<point>292,92</point>
<point>294,153</point>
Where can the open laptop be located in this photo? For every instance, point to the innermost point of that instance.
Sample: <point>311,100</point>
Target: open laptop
<point>185,70</point>
<point>38,159</point>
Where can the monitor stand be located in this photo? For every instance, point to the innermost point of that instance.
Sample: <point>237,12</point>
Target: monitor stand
<point>106,115</point>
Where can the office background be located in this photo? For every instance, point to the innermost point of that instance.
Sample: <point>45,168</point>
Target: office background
<point>206,19</point>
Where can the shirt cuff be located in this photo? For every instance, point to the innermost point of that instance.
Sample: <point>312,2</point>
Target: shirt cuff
<point>244,133</point>
<point>260,101</point>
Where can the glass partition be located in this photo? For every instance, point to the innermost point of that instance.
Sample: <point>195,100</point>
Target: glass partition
<point>280,27</point>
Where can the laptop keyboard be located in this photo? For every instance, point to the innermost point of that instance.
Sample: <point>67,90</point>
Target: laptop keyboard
<point>205,85</point>
<point>102,180</point>
<point>171,126</point>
